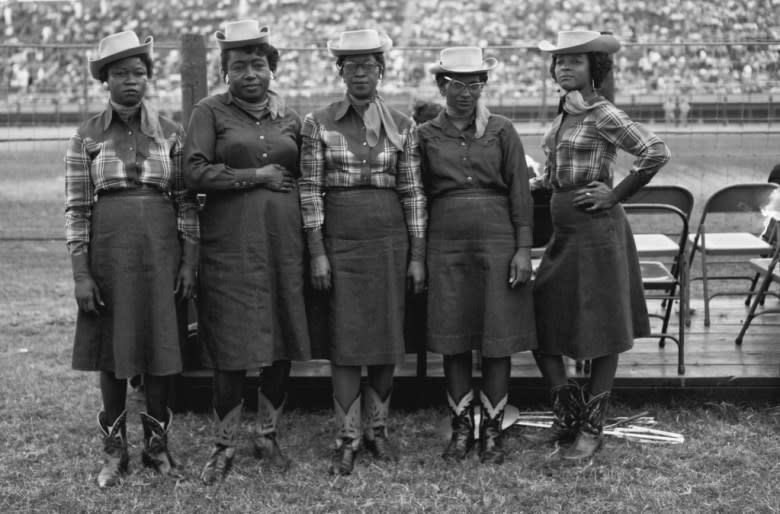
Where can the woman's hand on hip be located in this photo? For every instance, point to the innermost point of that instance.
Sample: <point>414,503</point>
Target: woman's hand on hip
<point>320,273</point>
<point>275,177</point>
<point>520,267</point>
<point>595,196</point>
<point>415,277</point>
<point>88,296</point>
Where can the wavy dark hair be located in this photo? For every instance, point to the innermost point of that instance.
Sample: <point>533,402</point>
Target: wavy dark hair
<point>266,50</point>
<point>599,63</point>
<point>103,73</point>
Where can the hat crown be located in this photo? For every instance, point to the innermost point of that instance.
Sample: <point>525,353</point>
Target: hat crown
<point>116,43</point>
<point>359,39</point>
<point>241,30</point>
<point>461,57</point>
<point>569,38</point>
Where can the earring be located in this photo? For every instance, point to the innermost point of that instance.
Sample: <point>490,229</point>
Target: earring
<point>227,80</point>
<point>105,86</point>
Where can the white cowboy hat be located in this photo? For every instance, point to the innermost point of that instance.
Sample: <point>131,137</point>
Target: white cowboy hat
<point>462,59</point>
<point>359,42</point>
<point>581,41</point>
<point>118,46</point>
<point>241,33</point>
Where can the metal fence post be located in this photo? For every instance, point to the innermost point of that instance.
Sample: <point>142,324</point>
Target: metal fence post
<point>194,84</point>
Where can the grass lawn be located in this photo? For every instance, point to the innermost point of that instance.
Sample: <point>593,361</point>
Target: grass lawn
<point>50,444</point>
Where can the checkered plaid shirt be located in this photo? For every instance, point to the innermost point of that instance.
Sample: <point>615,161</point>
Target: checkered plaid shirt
<point>334,153</point>
<point>587,150</point>
<point>106,154</point>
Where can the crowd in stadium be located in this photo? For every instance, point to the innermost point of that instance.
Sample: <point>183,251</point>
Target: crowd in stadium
<point>658,64</point>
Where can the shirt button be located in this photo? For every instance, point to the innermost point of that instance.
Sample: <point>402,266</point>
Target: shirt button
<point>462,143</point>
<point>130,132</point>
<point>265,155</point>
<point>262,137</point>
<point>257,123</point>
<point>364,161</point>
<point>468,178</point>
<point>364,143</point>
<point>131,148</point>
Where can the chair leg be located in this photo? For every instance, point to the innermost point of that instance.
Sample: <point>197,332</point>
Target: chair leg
<point>705,288</point>
<point>758,296</point>
<point>752,289</point>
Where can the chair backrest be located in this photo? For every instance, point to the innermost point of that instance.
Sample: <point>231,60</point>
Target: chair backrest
<point>739,198</point>
<point>676,196</point>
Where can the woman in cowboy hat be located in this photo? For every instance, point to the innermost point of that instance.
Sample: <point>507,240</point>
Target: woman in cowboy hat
<point>242,151</point>
<point>479,248</point>
<point>588,291</point>
<point>132,232</point>
<point>364,217</point>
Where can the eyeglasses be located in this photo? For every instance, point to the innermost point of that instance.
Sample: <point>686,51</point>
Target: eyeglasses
<point>352,66</point>
<point>457,86</point>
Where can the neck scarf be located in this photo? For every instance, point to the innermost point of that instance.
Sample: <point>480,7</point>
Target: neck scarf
<point>255,109</point>
<point>375,116</point>
<point>150,118</point>
<point>273,105</point>
<point>571,103</point>
<point>480,116</point>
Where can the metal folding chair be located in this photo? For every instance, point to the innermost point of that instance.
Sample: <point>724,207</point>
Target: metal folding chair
<point>662,254</point>
<point>736,200</point>
<point>765,267</point>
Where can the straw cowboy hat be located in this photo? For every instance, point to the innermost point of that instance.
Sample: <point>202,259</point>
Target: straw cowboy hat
<point>118,46</point>
<point>462,59</point>
<point>241,33</point>
<point>581,41</point>
<point>359,42</point>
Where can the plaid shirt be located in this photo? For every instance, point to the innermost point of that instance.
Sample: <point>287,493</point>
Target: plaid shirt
<point>106,154</point>
<point>335,153</point>
<point>587,150</point>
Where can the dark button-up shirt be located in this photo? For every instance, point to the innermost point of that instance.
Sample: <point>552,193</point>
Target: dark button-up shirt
<point>454,160</point>
<point>108,154</point>
<point>335,153</point>
<point>226,144</point>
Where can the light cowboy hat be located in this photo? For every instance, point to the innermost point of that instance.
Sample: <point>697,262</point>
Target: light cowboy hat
<point>359,42</point>
<point>118,46</point>
<point>581,41</point>
<point>241,33</point>
<point>462,59</point>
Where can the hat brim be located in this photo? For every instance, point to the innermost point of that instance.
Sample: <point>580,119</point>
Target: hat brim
<point>604,43</point>
<point>238,43</point>
<point>487,65</point>
<point>95,65</point>
<point>336,51</point>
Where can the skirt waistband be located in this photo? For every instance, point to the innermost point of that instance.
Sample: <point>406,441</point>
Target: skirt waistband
<point>472,193</point>
<point>141,190</point>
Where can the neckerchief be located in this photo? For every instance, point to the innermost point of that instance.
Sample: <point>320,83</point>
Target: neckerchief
<point>571,103</point>
<point>375,116</point>
<point>481,117</point>
<point>150,118</point>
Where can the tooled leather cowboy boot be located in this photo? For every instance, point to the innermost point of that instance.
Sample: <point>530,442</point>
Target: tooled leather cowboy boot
<point>155,454</point>
<point>348,439</point>
<point>566,407</point>
<point>462,423</point>
<point>375,411</point>
<point>265,430</point>
<point>491,448</point>
<point>115,457</point>
<point>589,438</point>
<point>221,459</point>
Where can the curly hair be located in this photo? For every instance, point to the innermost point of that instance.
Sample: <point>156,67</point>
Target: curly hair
<point>599,63</point>
<point>103,73</point>
<point>263,50</point>
<point>441,78</point>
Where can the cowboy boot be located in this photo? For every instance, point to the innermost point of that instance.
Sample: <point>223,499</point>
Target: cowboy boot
<point>155,454</point>
<point>266,448</point>
<point>115,457</point>
<point>218,465</point>
<point>589,439</point>
<point>566,407</point>
<point>462,423</point>
<point>491,449</point>
<point>375,432</point>
<point>348,439</point>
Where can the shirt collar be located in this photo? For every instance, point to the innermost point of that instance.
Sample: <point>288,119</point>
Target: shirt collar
<point>445,125</point>
<point>150,124</point>
<point>276,104</point>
